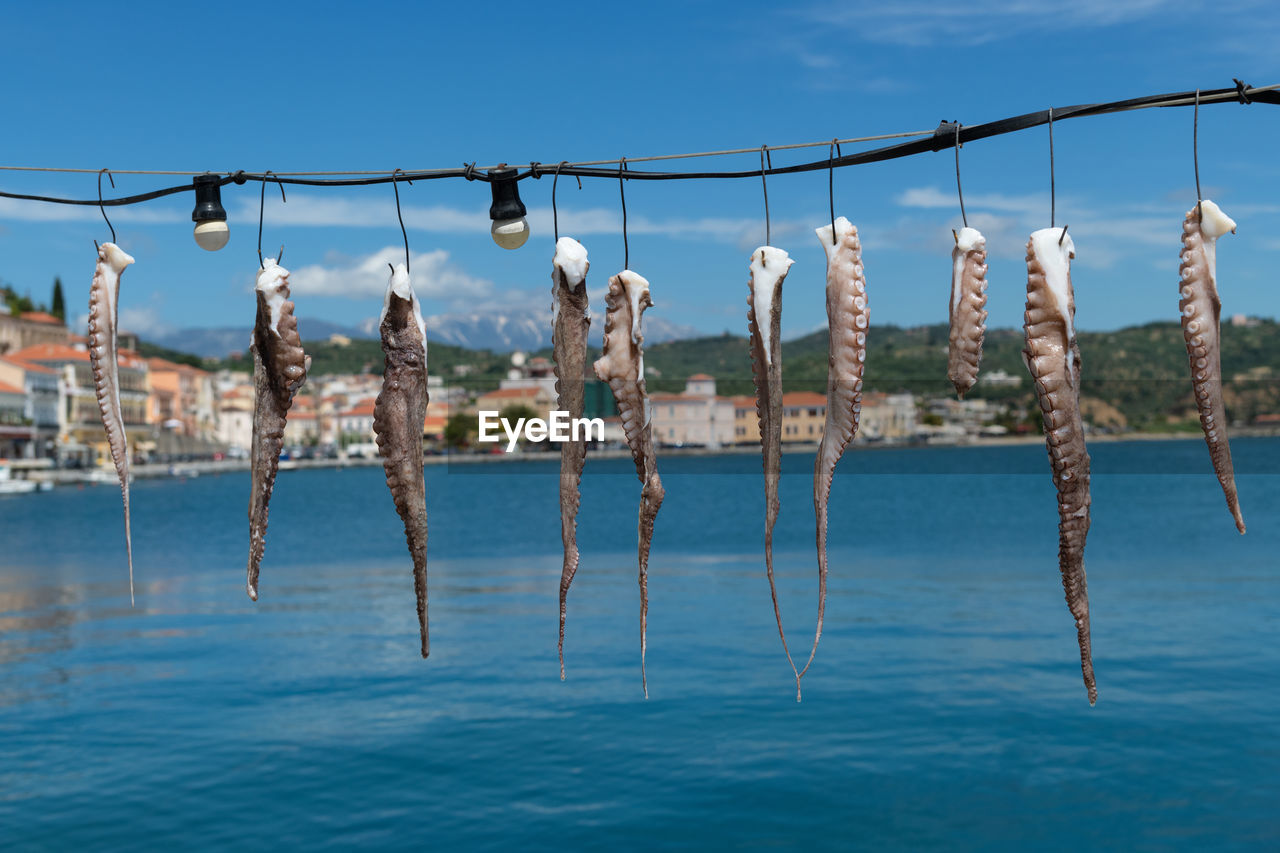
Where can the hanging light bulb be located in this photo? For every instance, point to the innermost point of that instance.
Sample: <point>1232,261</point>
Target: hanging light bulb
<point>510,229</point>
<point>211,230</point>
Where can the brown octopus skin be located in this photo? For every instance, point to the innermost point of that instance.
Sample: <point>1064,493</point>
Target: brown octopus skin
<point>1200,310</point>
<point>104,301</point>
<point>620,366</point>
<point>569,352</point>
<point>848,317</point>
<point>968,315</point>
<point>1053,357</point>
<point>398,415</point>
<point>279,370</point>
<point>766,372</point>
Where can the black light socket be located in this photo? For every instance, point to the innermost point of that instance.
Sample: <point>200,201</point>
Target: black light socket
<point>208,199</point>
<point>506,198</point>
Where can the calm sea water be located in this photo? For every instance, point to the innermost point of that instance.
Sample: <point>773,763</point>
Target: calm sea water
<point>945,707</point>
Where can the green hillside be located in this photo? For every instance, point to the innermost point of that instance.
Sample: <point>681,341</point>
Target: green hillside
<point>1141,371</point>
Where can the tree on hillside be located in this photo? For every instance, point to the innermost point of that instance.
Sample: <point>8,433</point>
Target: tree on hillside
<point>58,307</point>
<point>457,431</point>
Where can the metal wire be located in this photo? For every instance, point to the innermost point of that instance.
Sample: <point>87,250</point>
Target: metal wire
<point>764,153</point>
<point>959,191</point>
<point>924,141</point>
<point>103,209</point>
<point>622,193</point>
<point>1053,197</point>
<point>262,206</point>
<point>1195,154</point>
<point>399,216</point>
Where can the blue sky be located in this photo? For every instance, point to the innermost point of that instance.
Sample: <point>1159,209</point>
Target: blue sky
<point>293,87</point>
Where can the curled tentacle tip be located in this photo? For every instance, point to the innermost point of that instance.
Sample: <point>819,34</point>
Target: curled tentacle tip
<point>253,593</point>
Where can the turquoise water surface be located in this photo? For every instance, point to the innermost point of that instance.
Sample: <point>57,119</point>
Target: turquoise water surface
<point>945,707</point>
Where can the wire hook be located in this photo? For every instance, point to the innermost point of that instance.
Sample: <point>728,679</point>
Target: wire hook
<point>399,216</point>
<point>1053,197</point>
<point>262,205</point>
<point>764,153</point>
<point>555,216</point>
<point>831,184</point>
<point>626,249</point>
<point>102,207</point>
<point>1195,154</point>
<point>959,191</point>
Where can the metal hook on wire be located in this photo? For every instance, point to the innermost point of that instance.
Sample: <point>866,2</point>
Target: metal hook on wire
<point>1053,190</point>
<point>102,207</point>
<point>765,156</point>
<point>626,249</point>
<point>831,184</point>
<point>262,205</point>
<point>959,191</point>
<point>1195,154</point>
<point>555,215</point>
<point>399,216</point>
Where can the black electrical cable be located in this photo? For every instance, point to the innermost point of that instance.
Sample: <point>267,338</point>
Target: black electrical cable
<point>945,137</point>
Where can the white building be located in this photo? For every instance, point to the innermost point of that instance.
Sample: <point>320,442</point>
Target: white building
<point>696,417</point>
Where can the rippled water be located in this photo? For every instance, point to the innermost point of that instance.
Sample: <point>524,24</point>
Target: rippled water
<point>945,707</point>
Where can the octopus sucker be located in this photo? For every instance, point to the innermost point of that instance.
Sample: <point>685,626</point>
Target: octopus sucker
<point>1053,357</point>
<point>1200,309</point>
<point>621,365</point>
<point>769,267</point>
<point>398,416</point>
<point>104,305</point>
<point>569,326</point>
<point>279,369</point>
<point>968,308</point>
<point>848,318</point>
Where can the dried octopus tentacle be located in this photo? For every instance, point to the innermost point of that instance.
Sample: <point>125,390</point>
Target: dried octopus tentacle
<point>622,366</point>
<point>104,304</point>
<point>848,317</point>
<point>968,308</point>
<point>1201,308</point>
<point>279,369</point>
<point>398,416</point>
<point>569,326</point>
<point>1053,358</point>
<point>769,268</point>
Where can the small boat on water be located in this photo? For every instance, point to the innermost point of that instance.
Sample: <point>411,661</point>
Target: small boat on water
<point>9,485</point>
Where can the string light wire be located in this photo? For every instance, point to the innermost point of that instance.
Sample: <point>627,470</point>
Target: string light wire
<point>919,142</point>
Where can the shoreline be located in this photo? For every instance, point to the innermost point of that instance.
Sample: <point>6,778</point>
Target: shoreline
<point>69,476</point>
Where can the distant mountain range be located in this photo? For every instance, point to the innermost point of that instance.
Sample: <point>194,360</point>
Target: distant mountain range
<point>497,331</point>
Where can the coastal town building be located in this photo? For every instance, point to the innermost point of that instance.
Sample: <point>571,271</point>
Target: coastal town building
<point>804,414</point>
<point>746,420</point>
<point>694,418</point>
<point>30,328</point>
<point>888,416</point>
<point>538,397</point>
<point>36,437</point>
<point>81,439</point>
<point>182,399</point>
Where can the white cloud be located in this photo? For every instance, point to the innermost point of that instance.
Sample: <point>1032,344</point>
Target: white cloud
<point>144,322</point>
<point>315,210</point>
<point>21,210</point>
<point>434,276</point>
<point>921,23</point>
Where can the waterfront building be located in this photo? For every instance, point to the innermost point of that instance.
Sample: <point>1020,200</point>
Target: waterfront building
<point>81,439</point>
<point>41,390</point>
<point>694,418</point>
<point>891,417</point>
<point>31,328</point>
<point>235,417</point>
<point>746,420</point>
<point>182,399</point>
<point>538,397</point>
<point>804,414</point>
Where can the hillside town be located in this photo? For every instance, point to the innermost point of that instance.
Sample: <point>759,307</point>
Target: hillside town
<point>179,412</point>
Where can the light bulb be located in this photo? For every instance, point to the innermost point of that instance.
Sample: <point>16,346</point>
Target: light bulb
<point>212,235</point>
<point>510,233</point>
<point>211,220</point>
